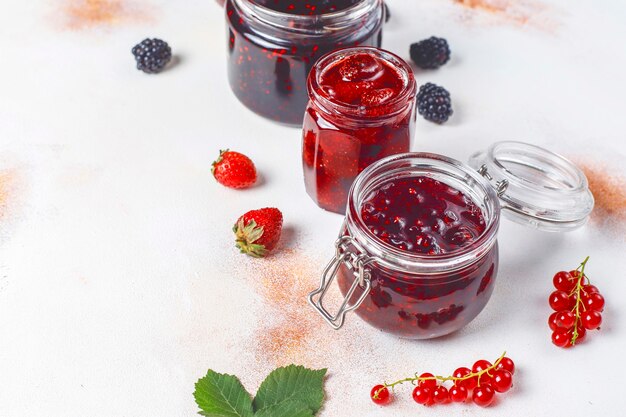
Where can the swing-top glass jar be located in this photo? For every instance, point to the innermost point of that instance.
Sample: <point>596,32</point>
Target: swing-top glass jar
<point>418,254</point>
<point>273,44</point>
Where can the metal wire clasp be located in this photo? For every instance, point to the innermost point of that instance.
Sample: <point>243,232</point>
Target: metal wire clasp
<point>349,253</point>
<point>501,186</point>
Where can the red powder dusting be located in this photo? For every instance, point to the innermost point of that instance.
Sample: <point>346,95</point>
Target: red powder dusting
<point>6,185</point>
<point>289,330</point>
<point>515,11</point>
<point>609,191</point>
<point>487,5</point>
<point>83,14</point>
<point>284,280</point>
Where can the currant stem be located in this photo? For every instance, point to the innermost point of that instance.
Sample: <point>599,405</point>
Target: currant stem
<point>414,380</point>
<point>579,286</point>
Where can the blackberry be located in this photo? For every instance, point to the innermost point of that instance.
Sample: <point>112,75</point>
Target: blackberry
<point>433,102</point>
<point>152,55</point>
<point>430,53</point>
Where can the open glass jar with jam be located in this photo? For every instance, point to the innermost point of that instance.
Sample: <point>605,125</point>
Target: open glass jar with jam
<point>361,109</point>
<point>273,44</point>
<point>417,255</point>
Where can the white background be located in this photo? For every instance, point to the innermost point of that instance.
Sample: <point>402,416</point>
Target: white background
<point>119,283</point>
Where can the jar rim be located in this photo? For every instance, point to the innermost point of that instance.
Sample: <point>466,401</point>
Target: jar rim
<point>395,106</point>
<point>308,25</point>
<point>463,177</point>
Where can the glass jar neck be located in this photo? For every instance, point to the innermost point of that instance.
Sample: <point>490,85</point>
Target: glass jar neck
<point>278,26</point>
<point>449,171</point>
<point>372,114</point>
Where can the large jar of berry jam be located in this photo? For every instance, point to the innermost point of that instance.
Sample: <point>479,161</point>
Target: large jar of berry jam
<point>418,254</point>
<point>273,44</point>
<point>361,109</point>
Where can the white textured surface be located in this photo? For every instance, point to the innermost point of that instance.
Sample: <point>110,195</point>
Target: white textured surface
<point>119,285</point>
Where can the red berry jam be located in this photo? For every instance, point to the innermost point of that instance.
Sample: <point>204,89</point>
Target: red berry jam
<point>422,215</point>
<point>362,79</point>
<point>427,218</point>
<point>307,7</point>
<point>273,45</point>
<point>361,109</point>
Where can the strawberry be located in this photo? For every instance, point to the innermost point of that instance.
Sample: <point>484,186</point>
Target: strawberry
<point>257,232</point>
<point>234,170</point>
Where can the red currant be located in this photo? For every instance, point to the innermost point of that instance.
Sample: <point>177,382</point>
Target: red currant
<point>441,395</point>
<point>593,301</point>
<point>560,300</point>
<point>589,289</point>
<point>458,394</point>
<point>468,383</point>
<point>507,364</point>
<point>502,380</point>
<point>564,281</point>
<point>380,394</point>
<point>461,372</point>
<point>429,382</point>
<point>552,321</point>
<point>561,338</point>
<point>481,365</point>
<point>423,395</point>
<point>575,274</point>
<point>483,395</point>
<point>591,320</point>
<point>565,319</point>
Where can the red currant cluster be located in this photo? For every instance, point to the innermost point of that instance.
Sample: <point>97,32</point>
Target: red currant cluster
<point>577,305</point>
<point>481,383</point>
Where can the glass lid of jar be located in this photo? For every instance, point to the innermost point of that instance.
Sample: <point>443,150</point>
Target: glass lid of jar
<point>536,187</point>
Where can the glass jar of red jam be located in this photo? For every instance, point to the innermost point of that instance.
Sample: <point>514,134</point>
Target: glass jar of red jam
<point>273,44</point>
<point>361,109</point>
<point>418,255</point>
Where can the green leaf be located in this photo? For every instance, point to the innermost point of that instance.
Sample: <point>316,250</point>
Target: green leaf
<point>292,383</point>
<point>286,409</point>
<point>222,395</point>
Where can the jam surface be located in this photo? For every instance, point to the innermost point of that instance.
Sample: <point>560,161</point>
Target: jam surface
<point>422,215</point>
<point>307,7</point>
<point>361,79</point>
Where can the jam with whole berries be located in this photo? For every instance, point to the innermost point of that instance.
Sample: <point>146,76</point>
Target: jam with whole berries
<point>361,109</point>
<point>424,216</point>
<point>417,256</point>
<point>273,45</point>
<point>306,7</point>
